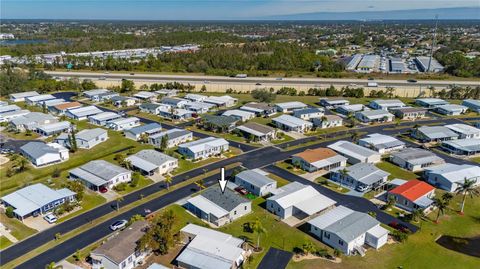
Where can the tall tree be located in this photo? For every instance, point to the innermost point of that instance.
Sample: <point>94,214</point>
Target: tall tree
<point>164,143</point>
<point>441,206</point>
<point>467,188</point>
<point>160,236</point>
<point>258,228</point>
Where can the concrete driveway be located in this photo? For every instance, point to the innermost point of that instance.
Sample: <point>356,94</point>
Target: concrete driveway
<point>37,223</point>
<point>110,195</point>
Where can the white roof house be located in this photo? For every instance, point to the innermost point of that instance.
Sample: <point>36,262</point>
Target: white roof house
<point>472,104</point>
<point>361,176</point>
<point>415,159</point>
<point>255,181</point>
<point>468,146</point>
<point>451,110</point>
<point>224,100</point>
<point>195,97</point>
<point>430,102</point>
<point>103,118</point>
<point>297,199</point>
<point>82,113</point>
<point>374,116</point>
<point>347,109</point>
<point>464,130</point>
<point>434,133</point>
<point>32,120</point>
<point>175,137</point>
<point>199,107</point>
<point>41,154</point>
<point>36,198</point>
<point>386,104</point>
<point>290,106</point>
<point>95,92</point>
<point>52,102</point>
<point>291,123</point>
<point>334,102</point>
<point>203,148</point>
<point>309,113</point>
<point>381,143</point>
<point>9,108</point>
<point>448,176</point>
<point>151,162</point>
<point>355,153</point>
<point>32,100</point>
<point>121,124</point>
<point>210,249</point>
<point>145,95</point>
<point>135,133</point>
<point>8,116</point>
<point>348,230</point>
<point>100,173</point>
<point>54,128</point>
<point>20,97</point>
<point>86,138</point>
<point>258,131</point>
<point>239,114</point>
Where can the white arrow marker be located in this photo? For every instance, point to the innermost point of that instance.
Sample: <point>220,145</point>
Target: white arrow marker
<point>222,181</point>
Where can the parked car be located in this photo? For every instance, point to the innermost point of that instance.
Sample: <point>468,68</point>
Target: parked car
<point>119,224</point>
<point>241,190</point>
<point>399,226</point>
<point>103,189</point>
<point>50,218</point>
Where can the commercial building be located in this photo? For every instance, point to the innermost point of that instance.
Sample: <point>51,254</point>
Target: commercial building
<point>415,159</point>
<point>151,162</point>
<point>348,230</point>
<point>355,153</point>
<point>174,137</point>
<point>312,160</point>
<point>381,143</point>
<point>41,154</point>
<point>256,181</point>
<point>219,208</point>
<point>449,176</point>
<point>100,173</point>
<point>36,199</point>
<point>413,195</point>
<point>203,148</point>
<point>361,177</point>
<point>428,64</point>
<point>292,124</point>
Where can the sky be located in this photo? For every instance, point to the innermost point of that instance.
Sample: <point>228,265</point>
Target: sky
<point>203,9</point>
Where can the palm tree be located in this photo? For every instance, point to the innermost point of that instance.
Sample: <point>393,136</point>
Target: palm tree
<point>168,180</point>
<point>119,200</point>
<point>258,228</point>
<point>441,205</point>
<point>355,136</point>
<point>467,188</point>
<point>126,163</point>
<point>21,163</point>
<point>51,265</point>
<point>417,214</point>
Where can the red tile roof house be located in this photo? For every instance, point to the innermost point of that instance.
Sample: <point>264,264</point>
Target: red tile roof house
<point>412,195</point>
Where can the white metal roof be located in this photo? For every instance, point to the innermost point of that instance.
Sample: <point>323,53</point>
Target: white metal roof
<point>291,105</point>
<point>207,206</point>
<point>204,143</point>
<point>454,172</point>
<point>347,148</point>
<point>463,129</point>
<point>238,112</point>
<point>291,121</point>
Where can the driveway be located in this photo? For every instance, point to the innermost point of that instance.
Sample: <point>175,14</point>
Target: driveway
<point>110,195</point>
<point>275,258</point>
<point>37,223</point>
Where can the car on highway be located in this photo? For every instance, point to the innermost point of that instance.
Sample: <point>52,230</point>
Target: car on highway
<point>102,78</point>
<point>50,218</point>
<point>412,80</point>
<point>103,189</point>
<point>258,84</point>
<point>370,78</point>
<point>279,79</point>
<point>131,74</point>
<point>119,224</point>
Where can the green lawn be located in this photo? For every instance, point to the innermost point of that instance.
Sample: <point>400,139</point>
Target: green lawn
<point>327,130</point>
<point>476,159</point>
<point>21,135</point>
<point>420,250</point>
<point>143,182</point>
<point>286,138</point>
<point>395,171</point>
<point>90,201</point>
<point>4,242</point>
<point>287,165</point>
<point>328,184</point>
<point>280,181</point>
<point>17,228</point>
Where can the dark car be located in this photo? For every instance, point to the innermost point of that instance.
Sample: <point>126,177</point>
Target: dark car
<point>400,227</point>
<point>412,80</point>
<point>103,189</point>
<point>258,84</point>
<point>131,74</point>
<point>241,190</point>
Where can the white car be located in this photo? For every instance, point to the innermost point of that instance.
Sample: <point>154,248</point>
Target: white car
<point>119,224</point>
<point>50,218</point>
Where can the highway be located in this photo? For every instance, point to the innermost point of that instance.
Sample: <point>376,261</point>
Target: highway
<point>255,158</point>
<point>266,81</point>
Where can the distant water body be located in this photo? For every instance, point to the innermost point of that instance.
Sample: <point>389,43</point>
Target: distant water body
<point>13,42</point>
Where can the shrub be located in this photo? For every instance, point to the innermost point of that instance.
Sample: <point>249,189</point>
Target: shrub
<point>121,187</point>
<point>56,173</point>
<point>9,212</point>
<point>400,236</point>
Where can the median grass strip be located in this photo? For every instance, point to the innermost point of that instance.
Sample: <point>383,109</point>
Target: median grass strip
<point>4,242</point>
<point>79,230</point>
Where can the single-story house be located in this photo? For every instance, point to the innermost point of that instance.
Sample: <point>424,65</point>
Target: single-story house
<point>195,97</point>
<point>361,176</point>
<point>54,128</point>
<point>106,96</point>
<point>410,113</point>
<point>199,107</point>
<point>9,116</point>
<point>121,101</point>
<point>176,113</point>
<point>151,162</point>
<point>312,160</point>
<point>151,108</point>
<point>328,121</point>
<point>20,97</point>
<point>203,148</point>
<point>174,137</point>
<point>381,143</point>
<point>31,121</point>
<point>256,181</point>
<point>219,123</point>
<point>82,113</point>
<point>259,132</point>
<point>449,176</point>
<point>41,154</point>
<point>221,101</point>
<point>146,96</point>
<point>103,118</point>
<point>462,146</point>
<point>333,102</point>
<point>260,109</point>
<point>473,104</point>
<point>123,123</point>
<point>413,195</point>
<point>219,208</point>
<point>298,200</point>
<point>86,139</point>
<point>348,230</point>
<point>136,133</point>
<point>290,106</point>
<point>386,104</point>
<point>451,110</point>
<point>36,199</point>
<point>415,159</point>
<point>60,109</point>
<point>51,102</point>
<point>174,102</point>
<point>121,251</point>
<point>434,134</point>
<point>309,113</point>
<point>240,115</point>
<point>464,130</point>
<point>355,153</point>
<point>374,116</point>
<point>100,173</point>
<point>91,94</point>
<point>9,108</point>
<point>430,102</point>
<point>34,100</point>
<point>210,249</point>
<point>292,124</point>
<point>349,109</point>
<point>167,92</point>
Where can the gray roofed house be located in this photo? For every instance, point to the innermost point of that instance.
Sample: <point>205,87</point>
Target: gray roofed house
<point>348,230</point>
<point>415,159</point>
<point>381,143</point>
<point>464,130</point>
<point>241,115</point>
<point>20,97</point>
<point>259,132</point>
<point>290,106</point>
<point>8,116</point>
<point>31,121</point>
<point>100,173</point>
<point>256,181</point>
<point>150,108</point>
<point>386,104</point>
<point>103,118</point>
<point>374,116</point>
<point>355,153</point>
<point>121,250</point>
<point>86,139</point>
<point>41,154</point>
<point>203,148</point>
<point>472,104</point>
<point>468,146</point>
<point>54,128</point>
<point>120,101</point>
<point>333,102</point>
<point>151,162</point>
<point>409,112</point>
<point>430,102</point>
<point>36,199</point>
<point>219,208</point>
<point>309,113</point>
<point>361,176</point>
<point>451,110</point>
<point>448,176</point>
<point>82,113</point>
<point>434,134</point>
<point>347,109</point>
<point>136,133</point>
<point>175,102</point>
<point>175,137</point>
<point>291,123</point>
<point>9,108</point>
<point>219,123</point>
<point>221,101</point>
<point>260,109</point>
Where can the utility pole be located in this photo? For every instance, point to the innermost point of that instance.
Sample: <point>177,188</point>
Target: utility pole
<point>434,41</point>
